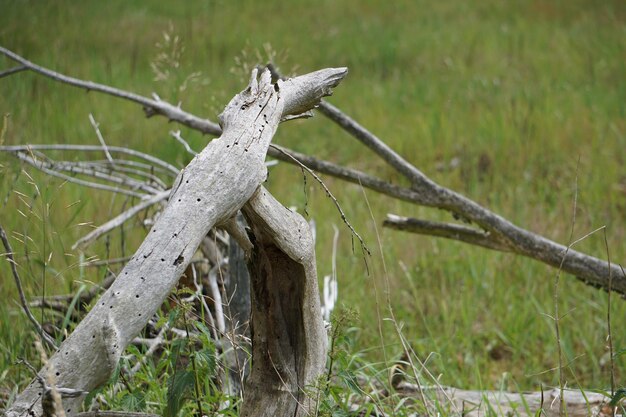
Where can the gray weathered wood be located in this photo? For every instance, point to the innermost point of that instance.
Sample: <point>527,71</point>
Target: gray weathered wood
<point>208,192</point>
<point>578,403</point>
<point>424,191</point>
<point>288,335</point>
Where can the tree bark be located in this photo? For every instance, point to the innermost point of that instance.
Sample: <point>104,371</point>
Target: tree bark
<point>578,403</point>
<point>288,335</point>
<point>208,192</point>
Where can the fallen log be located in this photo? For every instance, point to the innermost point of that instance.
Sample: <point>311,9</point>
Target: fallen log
<point>468,403</point>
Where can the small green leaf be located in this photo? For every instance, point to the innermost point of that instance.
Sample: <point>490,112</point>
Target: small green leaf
<point>619,395</point>
<point>173,316</point>
<point>70,309</point>
<point>178,347</point>
<point>206,362</point>
<point>349,379</point>
<point>134,402</point>
<point>177,387</point>
<point>205,330</point>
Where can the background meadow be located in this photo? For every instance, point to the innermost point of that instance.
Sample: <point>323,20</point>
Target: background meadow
<point>519,105</point>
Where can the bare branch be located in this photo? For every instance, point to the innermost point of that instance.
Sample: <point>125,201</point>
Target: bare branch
<point>96,127</point>
<point>447,230</point>
<point>119,220</point>
<point>160,164</point>
<point>591,270</point>
<point>176,135</point>
<point>95,169</point>
<point>13,70</point>
<point>48,169</point>
<point>151,107</point>
<point>336,203</point>
<point>18,283</point>
<point>130,167</point>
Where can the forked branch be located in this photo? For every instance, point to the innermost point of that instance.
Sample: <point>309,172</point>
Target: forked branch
<point>500,233</point>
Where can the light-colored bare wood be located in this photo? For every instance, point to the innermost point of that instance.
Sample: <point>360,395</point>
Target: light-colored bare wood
<point>424,191</point>
<point>500,403</point>
<point>288,335</point>
<point>206,193</point>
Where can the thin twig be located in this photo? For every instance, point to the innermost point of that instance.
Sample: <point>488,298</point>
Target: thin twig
<point>556,297</point>
<point>348,174</point>
<point>334,200</point>
<point>125,166</point>
<point>93,148</point>
<point>18,282</point>
<point>94,169</point>
<point>29,159</point>
<point>176,135</point>
<point>13,70</point>
<point>608,317</point>
<point>101,138</point>
<point>120,219</point>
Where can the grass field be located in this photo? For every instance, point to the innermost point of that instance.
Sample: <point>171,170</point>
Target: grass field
<point>528,96</point>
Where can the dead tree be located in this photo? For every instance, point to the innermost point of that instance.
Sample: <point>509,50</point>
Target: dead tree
<point>272,256</point>
<point>482,226</point>
<point>224,178</point>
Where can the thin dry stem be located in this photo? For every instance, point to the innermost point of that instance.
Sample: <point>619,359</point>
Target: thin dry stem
<point>18,283</point>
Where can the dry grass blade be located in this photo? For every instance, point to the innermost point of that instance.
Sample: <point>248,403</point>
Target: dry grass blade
<point>18,282</point>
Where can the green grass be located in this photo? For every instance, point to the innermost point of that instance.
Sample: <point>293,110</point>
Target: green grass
<point>519,91</point>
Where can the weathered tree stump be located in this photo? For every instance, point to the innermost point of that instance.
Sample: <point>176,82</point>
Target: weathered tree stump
<point>288,336</point>
<point>208,192</point>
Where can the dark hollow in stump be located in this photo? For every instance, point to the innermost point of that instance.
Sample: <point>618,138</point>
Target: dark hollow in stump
<point>288,336</point>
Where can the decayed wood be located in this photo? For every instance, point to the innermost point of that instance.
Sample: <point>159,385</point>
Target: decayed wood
<point>424,191</point>
<point>208,192</point>
<point>288,336</point>
<point>499,403</point>
<point>497,232</point>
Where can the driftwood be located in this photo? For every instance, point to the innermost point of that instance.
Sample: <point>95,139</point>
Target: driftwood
<point>500,403</point>
<point>208,192</point>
